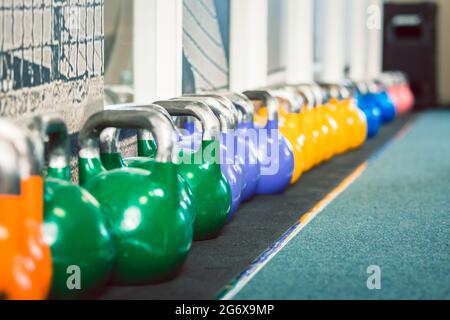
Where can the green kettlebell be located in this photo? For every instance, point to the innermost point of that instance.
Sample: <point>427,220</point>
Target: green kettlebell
<point>112,158</point>
<point>200,169</point>
<point>82,248</point>
<point>152,231</point>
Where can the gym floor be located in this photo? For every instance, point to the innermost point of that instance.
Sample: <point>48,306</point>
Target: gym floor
<point>386,205</point>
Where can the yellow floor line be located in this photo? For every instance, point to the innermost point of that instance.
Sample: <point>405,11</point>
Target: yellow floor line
<point>322,204</point>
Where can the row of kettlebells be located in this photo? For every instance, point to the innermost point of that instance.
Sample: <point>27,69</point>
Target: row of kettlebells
<point>133,220</point>
<point>383,99</point>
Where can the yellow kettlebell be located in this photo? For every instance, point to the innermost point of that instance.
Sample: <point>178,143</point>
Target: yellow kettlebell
<point>333,128</point>
<point>306,128</point>
<point>338,116</point>
<point>328,125</point>
<point>308,124</point>
<point>355,117</point>
<point>289,126</point>
<point>359,133</point>
<point>346,123</point>
<point>260,116</point>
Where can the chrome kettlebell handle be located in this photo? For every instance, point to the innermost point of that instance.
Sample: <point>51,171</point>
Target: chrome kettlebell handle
<point>269,101</point>
<point>334,91</point>
<point>225,102</point>
<point>22,140</point>
<point>197,109</point>
<point>9,171</point>
<point>225,116</point>
<point>362,87</point>
<point>52,131</point>
<point>318,94</point>
<point>242,103</point>
<point>131,106</point>
<point>295,102</point>
<point>308,94</point>
<point>109,138</point>
<point>161,128</point>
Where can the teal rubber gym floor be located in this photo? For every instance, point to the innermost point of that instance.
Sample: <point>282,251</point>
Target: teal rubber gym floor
<point>394,216</point>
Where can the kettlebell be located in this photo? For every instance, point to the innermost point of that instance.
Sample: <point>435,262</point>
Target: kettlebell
<point>151,231</point>
<point>359,132</point>
<point>211,205</point>
<point>228,163</point>
<point>405,92</point>
<point>381,99</point>
<point>289,106</point>
<point>275,153</point>
<point>370,109</point>
<point>230,138</point>
<point>112,158</point>
<point>335,109</point>
<point>246,144</point>
<point>308,124</point>
<point>389,82</point>
<point>74,230</point>
<point>202,167</point>
<point>13,271</point>
<point>355,120</point>
<point>33,255</point>
<point>327,125</point>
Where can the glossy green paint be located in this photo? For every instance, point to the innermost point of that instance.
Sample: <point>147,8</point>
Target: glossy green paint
<point>112,161</point>
<point>152,232</point>
<point>77,235</point>
<point>187,199</point>
<point>59,173</point>
<point>146,148</point>
<point>115,161</point>
<point>89,168</point>
<point>210,188</point>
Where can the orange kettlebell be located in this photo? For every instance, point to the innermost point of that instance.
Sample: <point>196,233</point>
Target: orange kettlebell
<point>16,280</point>
<point>9,216</point>
<point>33,256</point>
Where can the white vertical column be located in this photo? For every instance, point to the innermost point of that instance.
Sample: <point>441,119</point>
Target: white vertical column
<point>333,40</point>
<point>248,44</point>
<point>374,24</point>
<point>358,42</point>
<point>300,41</point>
<point>157,49</point>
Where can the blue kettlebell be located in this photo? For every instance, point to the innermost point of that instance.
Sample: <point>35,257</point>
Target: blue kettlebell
<point>246,143</point>
<point>386,105</point>
<point>275,153</point>
<point>369,106</point>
